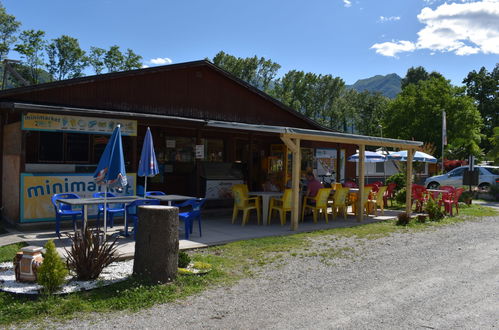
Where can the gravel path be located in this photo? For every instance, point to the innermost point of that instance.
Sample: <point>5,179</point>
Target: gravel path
<point>445,278</point>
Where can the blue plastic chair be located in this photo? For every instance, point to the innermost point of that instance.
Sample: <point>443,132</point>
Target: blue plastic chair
<point>132,212</point>
<point>111,211</point>
<point>189,217</point>
<point>155,193</point>
<point>65,210</point>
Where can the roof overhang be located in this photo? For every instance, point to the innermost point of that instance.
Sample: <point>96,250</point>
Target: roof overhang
<point>284,132</point>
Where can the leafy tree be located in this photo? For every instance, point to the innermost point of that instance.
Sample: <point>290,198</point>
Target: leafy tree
<point>483,86</point>
<point>96,59</point>
<point>131,61</point>
<point>416,74</point>
<point>494,141</point>
<point>114,59</point>
<point>66,58</point>
<point>8,28</point>
<point>416,113</point>
<point>31,50</point>
<point>258,72</point>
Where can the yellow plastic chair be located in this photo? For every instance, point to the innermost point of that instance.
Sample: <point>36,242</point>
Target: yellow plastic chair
<point>245,203</point>
<point>337,186</point>
<point>340,202</point>
<point>283,205</point>
<point>320,203</point>
<point>378,201</point>
<point>365,207</point>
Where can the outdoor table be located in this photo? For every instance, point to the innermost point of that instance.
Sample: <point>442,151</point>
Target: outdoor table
<point>266,195</point>
<point>94,201</point>
<point>170,198</point>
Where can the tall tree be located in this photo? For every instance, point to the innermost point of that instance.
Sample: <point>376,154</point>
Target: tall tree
<point>258,72</point>
<point>416,113</point>
<point>131,61</point>
<point>8,29</point>
<point>66,58</point>
<point>96,59</point>
<point>114,59</point>
<point>494,141</point>
<point>416,74</point>
<point>31,50</point>
<point>483,86</point>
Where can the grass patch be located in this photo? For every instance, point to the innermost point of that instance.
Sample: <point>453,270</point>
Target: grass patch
<point>230,262</point>
<point>8,252</point>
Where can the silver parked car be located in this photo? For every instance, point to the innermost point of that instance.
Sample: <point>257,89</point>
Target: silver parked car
<point>489,175</point>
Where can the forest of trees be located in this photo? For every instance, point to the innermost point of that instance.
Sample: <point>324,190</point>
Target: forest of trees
<point>415,113</point>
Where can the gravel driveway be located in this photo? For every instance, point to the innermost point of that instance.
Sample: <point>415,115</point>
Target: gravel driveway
<point>445,278</point>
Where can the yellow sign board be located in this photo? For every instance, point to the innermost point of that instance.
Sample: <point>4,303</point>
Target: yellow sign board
<point>76,124</point>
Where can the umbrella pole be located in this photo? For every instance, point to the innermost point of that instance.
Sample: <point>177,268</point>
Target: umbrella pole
<point>145,185</point>
<point>105,210</point>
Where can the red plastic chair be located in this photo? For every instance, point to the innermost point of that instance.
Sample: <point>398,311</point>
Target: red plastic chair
<point>418,196</point>
<point>350,184</point>
<point>452,199</point>
<point>390,193</point>
<point>374,187</point>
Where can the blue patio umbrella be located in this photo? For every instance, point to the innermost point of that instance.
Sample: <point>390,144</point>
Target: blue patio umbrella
<point>148,165</point>
<point>419,156</point>
<point>111,168</point>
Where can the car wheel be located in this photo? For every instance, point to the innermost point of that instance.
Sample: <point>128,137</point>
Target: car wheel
<point>484,187</point>
<point>433,185</point>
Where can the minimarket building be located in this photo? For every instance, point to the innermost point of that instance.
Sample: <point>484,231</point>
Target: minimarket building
<point>211,130</point>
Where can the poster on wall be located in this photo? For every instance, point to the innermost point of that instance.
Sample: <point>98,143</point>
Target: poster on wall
<point>220,189</point>
<point>76,124</point>
<point>326,161</point>
<point>37,191</point>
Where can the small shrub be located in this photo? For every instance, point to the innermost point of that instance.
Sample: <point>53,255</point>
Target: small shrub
<point>52,272</point>
<point>400,196</point>
<point>421,218</point>
<point>403,219</point>
<point>183,259</point>
<point>494,192</point>
<point>433,210</point>
<point>89,255</point>
<point>399,179</point>
<point>466,197</point>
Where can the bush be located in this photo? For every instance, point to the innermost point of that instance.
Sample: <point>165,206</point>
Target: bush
<point>466,197</point>
<point>52,272</point>
<point>400,196</point>
<point>89,255</point>
<point>183,259</point>
<point>421,218</point>
<point>494,191</point>
<point>433,210</point>
<point>403,219</point>
<point>398,179</point>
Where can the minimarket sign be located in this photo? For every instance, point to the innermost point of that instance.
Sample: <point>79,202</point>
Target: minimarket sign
<point>76,124</point>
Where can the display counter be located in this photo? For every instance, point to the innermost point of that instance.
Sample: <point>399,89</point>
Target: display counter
<point>219,178</point>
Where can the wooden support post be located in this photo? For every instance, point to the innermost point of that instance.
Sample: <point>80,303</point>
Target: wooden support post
<point>408,185</point>
<point>360,199</point>
<point>295,195</point>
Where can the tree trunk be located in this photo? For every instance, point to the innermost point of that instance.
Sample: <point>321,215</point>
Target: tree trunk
<point>156,245</point>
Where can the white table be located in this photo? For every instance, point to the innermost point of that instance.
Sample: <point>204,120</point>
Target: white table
<point>94,201</point>
<point>170,198</point>
<point>266,195</point>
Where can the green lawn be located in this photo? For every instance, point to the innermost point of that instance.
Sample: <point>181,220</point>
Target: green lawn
<point>230,262</point>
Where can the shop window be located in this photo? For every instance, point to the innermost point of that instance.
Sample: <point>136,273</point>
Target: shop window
<point>99,143</point>
<point>213,150</point>
<point>77,147</point>
<point>180,149</point>
<point>51,147</point>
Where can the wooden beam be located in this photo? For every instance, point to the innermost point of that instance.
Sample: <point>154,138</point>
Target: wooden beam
<point>408,184</point>
<point>349,140</point>
<point>360,199</point>
<point>295,184</point>
<point>289,143</point>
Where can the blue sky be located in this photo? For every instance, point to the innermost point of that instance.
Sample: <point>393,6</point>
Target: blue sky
<point>352,39</point>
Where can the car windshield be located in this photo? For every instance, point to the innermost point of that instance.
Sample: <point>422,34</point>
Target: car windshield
<point>493,170</point>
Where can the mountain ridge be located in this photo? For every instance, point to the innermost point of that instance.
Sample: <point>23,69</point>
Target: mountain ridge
<point>388,85</point>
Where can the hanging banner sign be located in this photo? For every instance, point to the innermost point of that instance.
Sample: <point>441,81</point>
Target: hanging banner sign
<point>76,124</point>
<point>37,190</point>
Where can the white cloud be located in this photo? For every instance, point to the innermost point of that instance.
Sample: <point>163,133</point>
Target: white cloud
<point>347,3</point>
<point>160,61</point>
<point>462,28</point>
<point>383,19</point>
<point>144,66</point>
<point>394,47</point>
